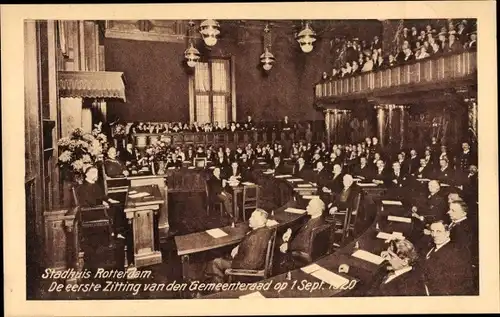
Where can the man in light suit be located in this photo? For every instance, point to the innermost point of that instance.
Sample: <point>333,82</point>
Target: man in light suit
<point>250,254</point>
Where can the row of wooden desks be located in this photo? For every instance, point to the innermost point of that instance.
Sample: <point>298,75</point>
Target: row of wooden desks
<point>310,281</point>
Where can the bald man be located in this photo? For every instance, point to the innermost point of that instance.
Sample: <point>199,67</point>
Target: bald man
<point>345,199</point>
<point>300,240</point>
<point>250,254</point>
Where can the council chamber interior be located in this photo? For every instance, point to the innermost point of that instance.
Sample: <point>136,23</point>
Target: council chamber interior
<point>220,158</point>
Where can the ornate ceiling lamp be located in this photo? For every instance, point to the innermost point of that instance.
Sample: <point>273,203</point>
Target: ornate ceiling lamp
<point>267,58</point>
<point>306,38</point>
<point>209,29</point>
<point>192,55</point>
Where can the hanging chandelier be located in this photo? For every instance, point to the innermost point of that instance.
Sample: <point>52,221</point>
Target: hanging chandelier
<point>209,29</point>
<point>192,55</point>
<point>306,38</point>
<point>267,58</point>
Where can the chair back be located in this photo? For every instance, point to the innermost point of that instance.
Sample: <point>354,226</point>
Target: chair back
<point>268,266</point>
<point>250,198</point>
<point>320,241</point>
<point>353,215</point>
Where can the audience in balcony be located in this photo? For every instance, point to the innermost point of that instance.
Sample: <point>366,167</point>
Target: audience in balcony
<point>362,58</point>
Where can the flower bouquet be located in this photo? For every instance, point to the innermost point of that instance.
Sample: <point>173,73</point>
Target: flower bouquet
<point>79,150</point>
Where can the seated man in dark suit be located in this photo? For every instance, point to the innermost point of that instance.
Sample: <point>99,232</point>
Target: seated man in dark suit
<point>345,199</point>
<point>250,254</point>
<point>470,185</point>
<point>221,161</point>
<point>278,166</point>
<point>425,169</point>
<point>434,207</point>
<point>300,170</point>
<point>216,191</point>
<point>112,166</point>
<point>363,170</point>
<point>444,174</point>
<point>335,183</point>
<point>462,231</point>
<point>413,162</point>
<point>403,278</point>
<point>129,156</point>
<point>447,268</point>
<point>90,194</point>
<point>397,178</point>
<point>381,176</point>
<point>300,240</point>
<point>233,172</point>
<point>321,175</point>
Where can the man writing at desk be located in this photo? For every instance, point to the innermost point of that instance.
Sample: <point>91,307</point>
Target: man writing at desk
<point>250,254</point>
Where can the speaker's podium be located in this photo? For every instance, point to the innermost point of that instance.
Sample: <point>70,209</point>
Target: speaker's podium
<point>142,204</point>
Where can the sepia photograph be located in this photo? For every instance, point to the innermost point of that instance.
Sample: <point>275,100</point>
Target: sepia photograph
<point>253,158</point>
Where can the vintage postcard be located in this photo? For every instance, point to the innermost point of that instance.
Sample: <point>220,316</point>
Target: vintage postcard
<point>257,159</point>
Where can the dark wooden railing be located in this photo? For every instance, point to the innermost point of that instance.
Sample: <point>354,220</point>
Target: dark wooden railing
<point>230,139</point>
<point>425,71</point>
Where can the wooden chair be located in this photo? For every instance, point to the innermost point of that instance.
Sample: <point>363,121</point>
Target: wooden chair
<point>319,246</point>
<point>263,273</point>
<point>354,214</point>
<point>95,216</point>
<point>114,184</point>
<point>343,220</point>
<point>211,205</point>
<point>250,199</point>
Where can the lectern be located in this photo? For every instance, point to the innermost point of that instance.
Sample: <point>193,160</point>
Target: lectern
<point>142,204</point>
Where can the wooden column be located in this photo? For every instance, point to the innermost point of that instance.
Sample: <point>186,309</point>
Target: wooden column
<point>328,126</point>
<point>381,119</point>
<point>403,125</point>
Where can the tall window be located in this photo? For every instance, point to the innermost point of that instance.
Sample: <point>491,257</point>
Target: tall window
<point>212,91</point>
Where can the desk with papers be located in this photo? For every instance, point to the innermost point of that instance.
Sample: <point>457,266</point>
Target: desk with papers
<point>322,278</point>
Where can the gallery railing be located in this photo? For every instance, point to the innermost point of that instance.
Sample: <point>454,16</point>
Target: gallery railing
<point>426,71</point>
<point>231,139</point>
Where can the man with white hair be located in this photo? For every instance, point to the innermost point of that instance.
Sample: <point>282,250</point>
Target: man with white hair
<point>250,254</point>
<point>345,199</point>
<point>299,241</point>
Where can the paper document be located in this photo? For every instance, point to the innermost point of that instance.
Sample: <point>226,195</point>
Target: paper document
<point>399,219</point>
<point>311,268</point>
<point>211,167</point>
<point>368,256</point>
<point>186,162</point>
<point>132,192</point>
<point>310,196</point>
<point>171,168</point>
<point>295,180</point>
<point>282,176</point>
<point>139,195</point>
<point>252,295</point>
<point>248,183</point>
<point>423,180</point>
<point>216,233</point>
<point>392,202</point>
<point>295,210</point>
<point>397,234</point>
<point>268,172</point>
<point>331,278</point>
<point>271,223</point>
<point>304,185</point>
<point>444,185</point>
<point>367,185</point>
<point>384,236</point>
<point>262,163</point>
<point>190,167</point>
